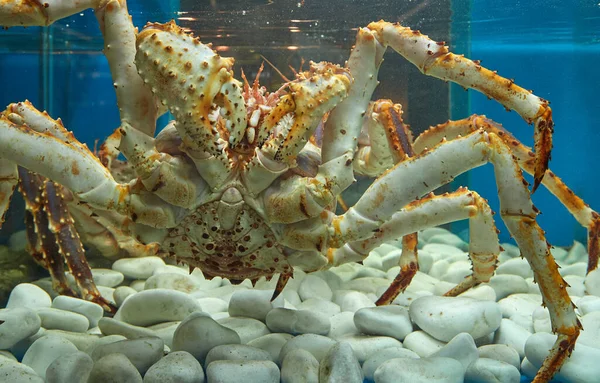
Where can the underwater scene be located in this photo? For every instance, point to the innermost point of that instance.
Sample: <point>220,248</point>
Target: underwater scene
<point>299,191</point>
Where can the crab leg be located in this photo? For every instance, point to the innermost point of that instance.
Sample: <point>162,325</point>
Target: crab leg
<point>9,178</point>
<point>434,59</point>
<point>412,178</point>
<point>38,12</point>
<point>72,165</point>
<point>579,209</point>
<point>409,265</point>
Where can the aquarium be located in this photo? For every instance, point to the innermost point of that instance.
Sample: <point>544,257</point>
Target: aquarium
<point>269,218</point>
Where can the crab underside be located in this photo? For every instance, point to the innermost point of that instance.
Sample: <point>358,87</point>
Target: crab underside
<point>244,183</point>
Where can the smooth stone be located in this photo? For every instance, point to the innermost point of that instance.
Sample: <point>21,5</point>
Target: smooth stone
<point>377,359</point>
<point>107,277</point>
<point>347,271</point>
<point>212,305</point>
<point>63,320</point>
<point>579,269</point>
<point>138,268</point>
<point>592,283</point>
<point>427,370</point>
<point>442,287</point>
<point>142,352</point>
<point>588,304</point>
<point>7,355</point>
<point>322,306</point>
<point>439,268</point>
<point>335,282</point>
<point>482,292</point>
<point>92,311</point>
<point>422,343</point>
<point>525,321</point>
<point>165,331</point>
<point>577,254</point>
<point>314,287</point>
<point>491,370</point>
<point>155,306</point>
<point>374,262</point>
<point>391,259</point>
<point>317,345</point>
<point>425,234</point>
<point>17,324</point>
<point>28,295</point>
<point>340,365</point>
<point>121,293</point>
<point>107,293</point>
<point>512,334</point>
<point>449,239</point>
<point>559,253</point>
<point>21,347</point>
<point>251,304</point>
<point>368,284</point>
<point>14,372</point>
<point>297,321</point>
<point>199,333</point>
<point>111,326</point>
<point>236,352</point>
<point>101,341</point>
<point>445,317</point>
<point>462,348</point>
<point>508,284</point>
<point>114,368</point>
<point>515,266</point>
<point>172,281</point>
<point>263,371</point>
<point>590,336</point>
<point>364,346</point>
<point>351,300</point>
<point>171,269</point>
<point>391,320</point>
<point>138,285</point>
<point>175,367</point>
<point>457,271</point>
<point>45,350</point>
<point>73,368</point>
<point>582,366</point>
<point>247,328</point>
<point>442,251</point>
<point>501,352</point>
<point>520,304</point>
<point>576,286</point>
<point>299,366</point>
<point>271,343</point>
<point>541,320</point>
<point>342,324</point>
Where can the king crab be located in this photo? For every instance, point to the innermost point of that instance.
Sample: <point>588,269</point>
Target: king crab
<point>239,186</point>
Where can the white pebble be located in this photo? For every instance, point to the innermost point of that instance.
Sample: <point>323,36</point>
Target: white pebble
<point>502,352</point>
<point>297,321</point>
<point>247,328</point>
<point>520,304</point>
<point>45,350</point>
<point>63,320</point>
<point>259,371</point>
<point>172,281</point>
<point>299,366</point>
<point>590,336</point>
<point>155,306</point>
<point>592,283</point>
<point>12,371</point>
<point>342,324</point>
<point>142,352</point>
<point>445,317</point>
<point>442,251</point>
<point>588,304</point>
<point>121,293</point>
<point>236,352</point>
<point>16,325</point>
<point>512,334</point>
<point>377,359</point>
<point>541,320</point>
<point>317,345</point>
<point>364,346</point>
<point>73,368</point>
<point>28,295</point>
<point>491,370</point>
<point>392,320</point>
<point>427,370</point>
<point>340,365</point>
<point>138,268</point>
<point>579,269</point>
<point>271,343</point>
<point>481,292</point>
<point>251,303</point>
<point>422,343</point>
<point>515,266</point>
<point>114,368</point>
<point>165,331</point>
<point>314,287</point>
<point>199,333</point>
<point>462,348</point>
<point>327,308</point>
<point>92,311</point>
<point>507,284</point>
<point>175,367</point>
<point>107,277</point>
<point>213,305</point>
<point>111,326</point>
<point>449,239</point>
<point>171,269</point>
<point>351,300</point>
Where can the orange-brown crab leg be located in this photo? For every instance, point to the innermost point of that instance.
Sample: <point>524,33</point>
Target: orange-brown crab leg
<point>412,178</point>
<point>434,59</point>
<point>9,178</point>
<point>587,217</point>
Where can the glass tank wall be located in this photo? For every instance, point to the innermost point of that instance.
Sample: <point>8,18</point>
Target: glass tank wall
<point>550,47</point>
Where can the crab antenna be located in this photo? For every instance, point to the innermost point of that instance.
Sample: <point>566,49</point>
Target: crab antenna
<point>276,70</point>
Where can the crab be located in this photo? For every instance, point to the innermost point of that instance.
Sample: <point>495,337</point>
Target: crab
<point>241,185</point>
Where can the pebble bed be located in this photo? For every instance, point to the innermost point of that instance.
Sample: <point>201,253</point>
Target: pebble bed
<point>173,326</point>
